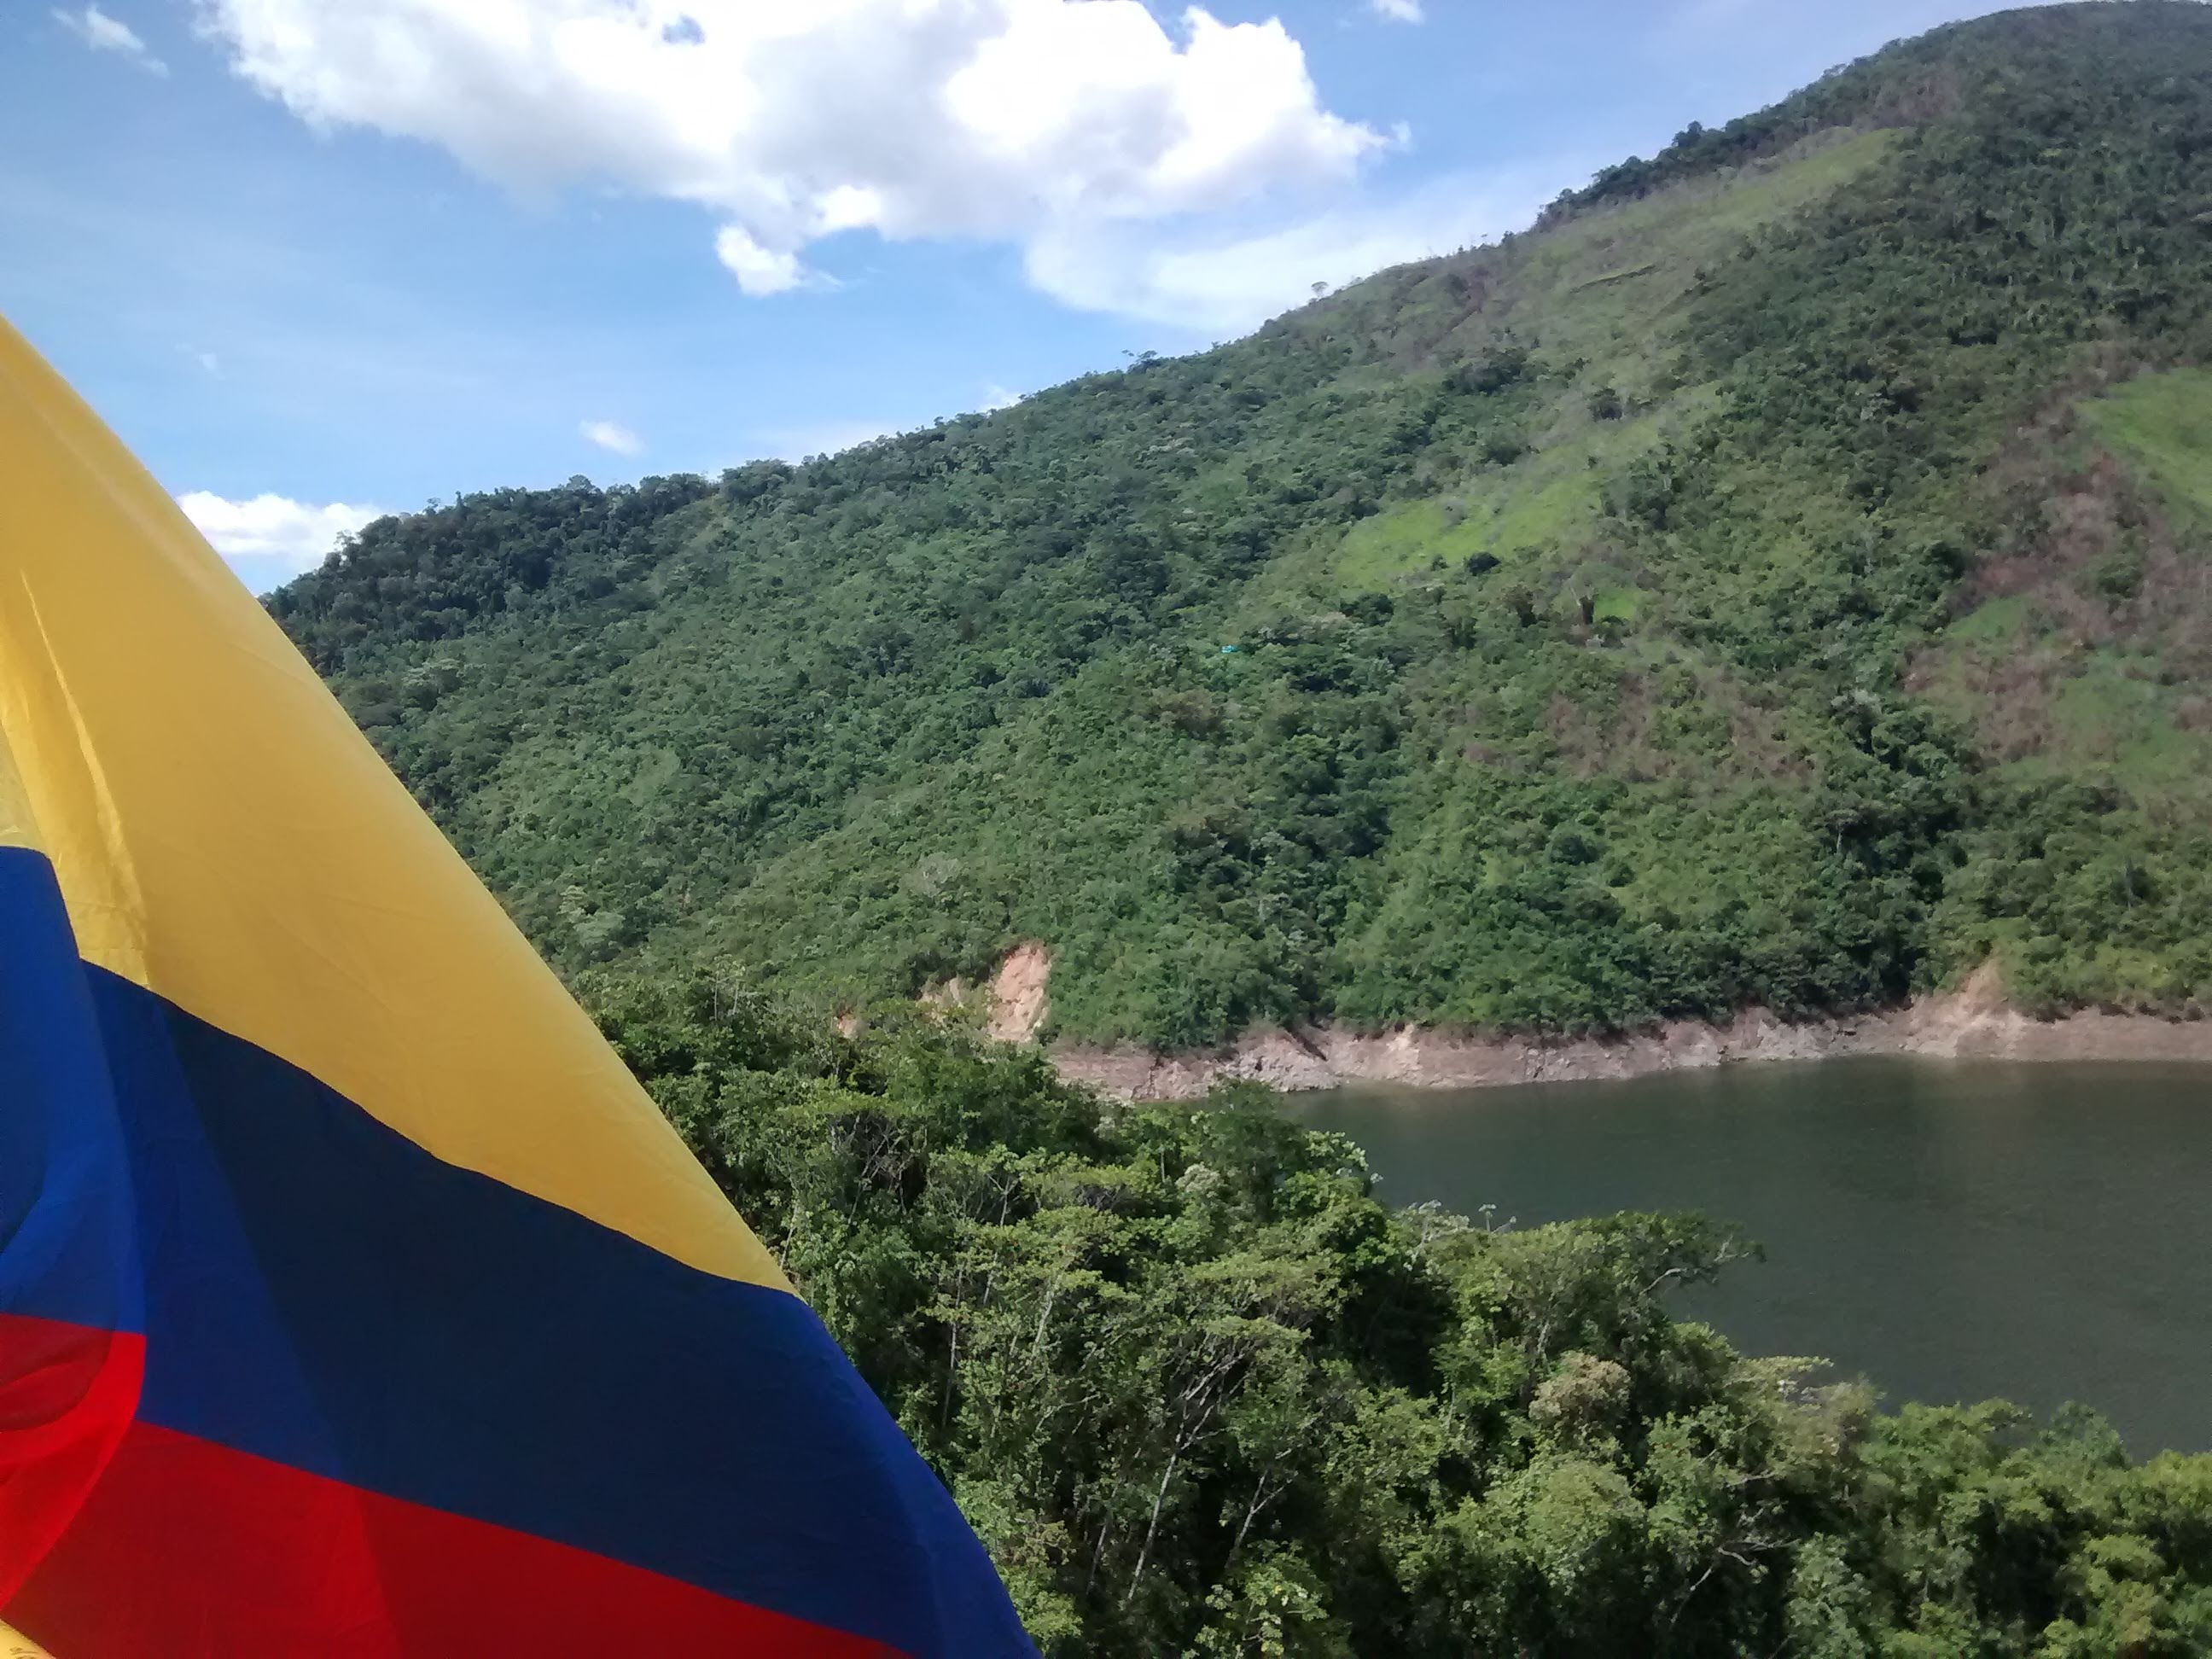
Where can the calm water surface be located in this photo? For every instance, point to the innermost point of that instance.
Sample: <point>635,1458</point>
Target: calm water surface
<point>1953,1229</point>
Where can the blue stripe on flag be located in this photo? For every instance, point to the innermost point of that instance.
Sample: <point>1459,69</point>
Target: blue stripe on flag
<point>321,1292</point>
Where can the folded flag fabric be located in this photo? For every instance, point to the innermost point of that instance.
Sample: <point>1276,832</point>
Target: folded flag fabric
<point>354,1299</point>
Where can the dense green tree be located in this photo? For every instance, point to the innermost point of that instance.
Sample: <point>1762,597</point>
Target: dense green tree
<point>1201,1392</point>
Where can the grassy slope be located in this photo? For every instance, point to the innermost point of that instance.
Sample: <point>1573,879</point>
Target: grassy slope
<point>2162,424</point>
<point>2085,672</point>
<point>1826,650</point>
<point>1601,292</point>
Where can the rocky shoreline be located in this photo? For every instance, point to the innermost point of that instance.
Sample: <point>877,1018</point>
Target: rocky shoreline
<point>1973,1021</point>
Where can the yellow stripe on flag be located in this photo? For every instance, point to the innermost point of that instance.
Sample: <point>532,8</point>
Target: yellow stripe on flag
<point>17,828</point>
<point>224,837</point>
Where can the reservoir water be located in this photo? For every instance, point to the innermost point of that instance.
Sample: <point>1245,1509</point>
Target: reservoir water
<point>1952,1229</point>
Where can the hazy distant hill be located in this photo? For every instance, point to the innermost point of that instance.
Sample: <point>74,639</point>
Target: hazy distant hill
<point>1781,576</point>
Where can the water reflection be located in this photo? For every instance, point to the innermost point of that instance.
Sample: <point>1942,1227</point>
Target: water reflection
<point>1953,1229</point>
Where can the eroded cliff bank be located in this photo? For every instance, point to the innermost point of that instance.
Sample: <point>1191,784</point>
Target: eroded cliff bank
<point>1972,1022</point>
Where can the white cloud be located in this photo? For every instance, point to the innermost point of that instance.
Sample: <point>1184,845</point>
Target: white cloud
<point>269,539</point>
<point>996,397</point>
<point>794,120</point>
<point>104,33</point>
<point>609,436</point>
<point>1397,11</point>
<point>1229,281</point>
<point>758,269</point>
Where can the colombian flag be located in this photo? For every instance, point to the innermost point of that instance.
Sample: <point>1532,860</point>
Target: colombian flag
<point>354,1300</point>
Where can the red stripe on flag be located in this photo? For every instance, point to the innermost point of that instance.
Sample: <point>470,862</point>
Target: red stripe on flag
<point>67,1394</point>
<point>188,1550</point>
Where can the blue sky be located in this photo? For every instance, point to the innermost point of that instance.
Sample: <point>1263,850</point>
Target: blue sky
<point>318,257</point>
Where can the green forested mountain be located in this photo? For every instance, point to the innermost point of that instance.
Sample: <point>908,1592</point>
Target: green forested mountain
<point>1780,575</point>
<point>1777,576</point>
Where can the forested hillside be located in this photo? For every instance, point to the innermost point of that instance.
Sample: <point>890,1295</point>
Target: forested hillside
<point>1201,1392</point>
<point>1778,577</point>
